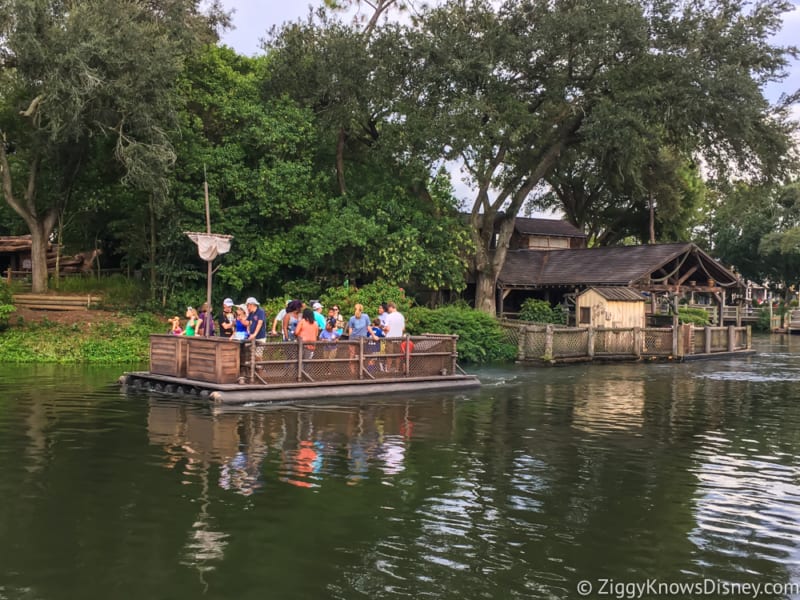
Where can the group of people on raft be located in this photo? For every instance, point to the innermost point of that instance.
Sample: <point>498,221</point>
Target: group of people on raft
<point>248,321</point>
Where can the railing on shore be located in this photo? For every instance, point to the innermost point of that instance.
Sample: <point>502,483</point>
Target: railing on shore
<point>224,361</point>
<point>554,343</point>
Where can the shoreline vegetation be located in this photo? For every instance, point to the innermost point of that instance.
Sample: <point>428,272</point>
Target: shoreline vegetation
<point>118,332</point>
<point>112,335</point>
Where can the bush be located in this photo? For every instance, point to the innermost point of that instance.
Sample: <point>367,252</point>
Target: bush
<point>540,311</point>
<point>763,324</point>
<point>6,305</point>
<point>694,316</point>
<point>371,295</point>
<point>480,338</point>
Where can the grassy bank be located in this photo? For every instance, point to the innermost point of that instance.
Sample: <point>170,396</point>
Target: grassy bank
<point>115,339</point>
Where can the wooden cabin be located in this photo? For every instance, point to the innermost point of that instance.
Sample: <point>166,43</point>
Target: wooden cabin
<point>661,270</point>
<point>610,307</point>
<point>15,257</point>
<point>546,234</point>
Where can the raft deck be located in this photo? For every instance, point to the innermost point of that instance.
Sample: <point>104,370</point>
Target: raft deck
<point>232,372</point>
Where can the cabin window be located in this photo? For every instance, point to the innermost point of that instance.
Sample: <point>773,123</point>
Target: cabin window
<point>559,242</point>
<point>586,315</point>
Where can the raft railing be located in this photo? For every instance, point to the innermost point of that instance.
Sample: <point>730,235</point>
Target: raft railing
<point>225,361</point>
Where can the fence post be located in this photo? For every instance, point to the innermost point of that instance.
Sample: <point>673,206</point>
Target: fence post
<point>707,340</point>
<point>299,360</point>
<point>731,338</point>
<point>674,338</point>
<point>454,355</point>
<point>548,343</point>
<point>637,342</point>
<point>749,337</point>
<point>522,332</point>
<point>407,366</point>
<point>253,360</point>
<point>590,342</point>
<point>361,358</point>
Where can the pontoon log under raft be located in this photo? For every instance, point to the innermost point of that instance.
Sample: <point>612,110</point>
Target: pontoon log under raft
<point>231,372</point>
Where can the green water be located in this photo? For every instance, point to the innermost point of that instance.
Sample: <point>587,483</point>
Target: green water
<point>541,479</point>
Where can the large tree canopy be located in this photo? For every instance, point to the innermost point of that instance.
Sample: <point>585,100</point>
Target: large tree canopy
<point>509,91</point>
<point>75,72</point>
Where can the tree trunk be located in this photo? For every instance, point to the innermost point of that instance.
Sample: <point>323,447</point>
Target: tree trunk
<point>153,275</point>
<point>39,235</point>
<point>340,161</point>
<point>652,220</point>
<point>485,292</point>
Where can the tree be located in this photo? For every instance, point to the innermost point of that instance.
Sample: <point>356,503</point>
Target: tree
<point>756,228</point>
<point>82,70</point>
<point>509,91</point>
<point>656,198</point>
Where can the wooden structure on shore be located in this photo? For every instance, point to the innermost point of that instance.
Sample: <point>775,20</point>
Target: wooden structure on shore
<point>15,258</point>
<point>56,301</point>
<point>662,271</point>
<point>551,344</point>
<point>231,372</point>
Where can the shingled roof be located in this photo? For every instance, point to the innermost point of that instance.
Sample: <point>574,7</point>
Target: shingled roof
<point>551,227</point>
<point>617,294</point>
<point>607,266</point>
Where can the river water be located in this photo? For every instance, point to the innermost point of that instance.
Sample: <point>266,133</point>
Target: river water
<point>615,475</point>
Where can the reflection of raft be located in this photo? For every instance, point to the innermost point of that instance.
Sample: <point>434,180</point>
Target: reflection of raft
<point>231,372</point>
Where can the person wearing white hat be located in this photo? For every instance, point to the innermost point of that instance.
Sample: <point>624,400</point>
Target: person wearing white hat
<point>317,307</point>
<point>257,318</point>
<point>227,320</point>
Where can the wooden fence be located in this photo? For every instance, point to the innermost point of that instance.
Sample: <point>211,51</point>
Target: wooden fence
<point>551,343</point>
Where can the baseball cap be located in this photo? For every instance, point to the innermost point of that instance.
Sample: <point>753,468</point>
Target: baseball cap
<point>227,302</point>
<point>251,300</point>
<point>316,305</point>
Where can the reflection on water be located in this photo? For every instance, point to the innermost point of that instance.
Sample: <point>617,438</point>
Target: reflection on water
<point>306,445</point>
<point>542,478</point>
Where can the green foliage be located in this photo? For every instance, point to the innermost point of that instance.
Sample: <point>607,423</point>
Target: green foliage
<point>117,290</point>
<point>480,338</point>
<point>111,342</point>
<point>763,324</point>
<point>370,296</point>
<point>6,305</point>
<point>540,311</point>
<point>694,316</point>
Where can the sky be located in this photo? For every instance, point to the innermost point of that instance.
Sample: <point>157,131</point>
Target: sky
<point>253,18</point>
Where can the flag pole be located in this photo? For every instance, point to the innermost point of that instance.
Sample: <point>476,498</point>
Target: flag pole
<point>207,320</point>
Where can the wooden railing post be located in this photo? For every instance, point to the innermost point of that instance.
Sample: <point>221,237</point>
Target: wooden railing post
<point>731,338</point>
<point>407,351</point>
<point>299,360</point>
<point>548,343</point>
<point>361,358</point>
<point>707,340</point>
<point>637,342</point>
<point>522,333</point>
<point>454,354</point>
<point>674,338</point>
<point>749,337</point>
<point>590,339</point>
<point>253,361</point>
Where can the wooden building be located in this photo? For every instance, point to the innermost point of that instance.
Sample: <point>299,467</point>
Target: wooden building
<point>610,307</point>
<point>546,234</point>
<point>662,271</point>
<point>15,257</point>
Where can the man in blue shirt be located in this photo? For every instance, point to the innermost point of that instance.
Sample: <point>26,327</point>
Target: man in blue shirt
<point>257,318</point>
